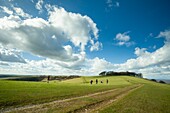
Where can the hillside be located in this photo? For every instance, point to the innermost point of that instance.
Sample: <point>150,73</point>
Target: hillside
<point>121,95</point>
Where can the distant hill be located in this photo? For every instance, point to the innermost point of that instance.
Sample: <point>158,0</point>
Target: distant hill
<point>165,80</point>
<point>36,77</point>
<point>5,76</point>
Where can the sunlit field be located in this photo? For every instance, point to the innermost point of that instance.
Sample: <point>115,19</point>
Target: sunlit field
<point>141,95</point>
<point>151,98</point>
<point>14,93</point>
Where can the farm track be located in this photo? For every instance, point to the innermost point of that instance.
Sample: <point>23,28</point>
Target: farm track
<point>104,99</point>
<point>94,108</point>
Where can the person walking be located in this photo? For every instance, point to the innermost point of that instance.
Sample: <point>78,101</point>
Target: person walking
<point>107,81</point>
<point>91,82</point>
<point>96,81</point>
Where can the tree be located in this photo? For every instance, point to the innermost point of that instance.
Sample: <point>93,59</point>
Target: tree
<point>162,82</point>
<point>102,73</point>
<point>153,80</point>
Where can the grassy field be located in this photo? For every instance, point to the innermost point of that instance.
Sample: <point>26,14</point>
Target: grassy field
<point>151,97</point>
<point>19,93</point>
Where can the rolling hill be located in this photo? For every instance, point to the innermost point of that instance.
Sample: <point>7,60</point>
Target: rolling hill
<point>122,94</point>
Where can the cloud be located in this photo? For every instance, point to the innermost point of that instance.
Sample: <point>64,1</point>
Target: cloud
<point>123,39</point>
<point>38,5</point>
<point>50,66</point>
<point>80,29</point>
<point>35,36</point>
<point>21,13</point>
<point>62,41</point>
<point>6,10</point>
<point>151,62</point>
<point>49,38</point>
<point>166,35</point>
<point>96,65</point>
<point>10,55</point>
<point>145,58</point>
<point>95,46</point>
<point>110,4</point>
<point>140,52</point>
<point>4,63</point>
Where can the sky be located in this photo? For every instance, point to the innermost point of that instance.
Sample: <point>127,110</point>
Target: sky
<point>85,37</point>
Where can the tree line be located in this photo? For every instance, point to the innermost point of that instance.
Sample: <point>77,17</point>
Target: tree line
<point>112,73</point>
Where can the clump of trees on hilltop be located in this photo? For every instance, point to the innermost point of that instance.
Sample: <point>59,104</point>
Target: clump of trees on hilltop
<point>112,73</point>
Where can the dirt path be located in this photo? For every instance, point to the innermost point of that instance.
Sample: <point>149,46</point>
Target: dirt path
<point>105,103</point>
<point>103,99</point>
<point>57,101</point>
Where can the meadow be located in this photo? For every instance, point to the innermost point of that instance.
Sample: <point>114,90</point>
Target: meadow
<point>151,98</point>
<point>122,94</point>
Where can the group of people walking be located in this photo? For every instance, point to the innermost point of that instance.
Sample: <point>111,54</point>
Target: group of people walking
<point>107,81</point>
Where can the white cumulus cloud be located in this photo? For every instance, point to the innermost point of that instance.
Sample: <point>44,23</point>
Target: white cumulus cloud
<point>80,29</point>
<point>95,46</point>
<point>10,55</point>
<point>6,10</point>
<point>21,13</point>
<point>151,62</point>
<point>123,39</point>
<point>49,66</point>
<point>48,38</point>
<point>140,52</point>
<point>96,65</point>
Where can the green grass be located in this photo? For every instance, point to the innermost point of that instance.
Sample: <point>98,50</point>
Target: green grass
<point>19,93</point>
<point>150,98</point>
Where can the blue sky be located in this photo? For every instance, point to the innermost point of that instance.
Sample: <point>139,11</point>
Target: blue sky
<point>85,37</point>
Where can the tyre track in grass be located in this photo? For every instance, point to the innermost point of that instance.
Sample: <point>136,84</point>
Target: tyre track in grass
<point>87,108</point>
<point>95,107</point>
<point>53,102</point>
